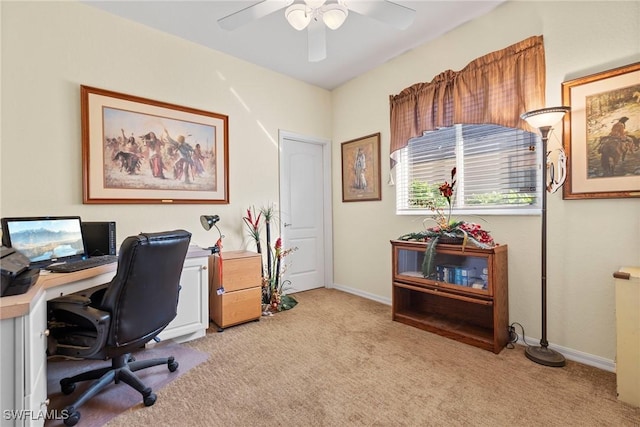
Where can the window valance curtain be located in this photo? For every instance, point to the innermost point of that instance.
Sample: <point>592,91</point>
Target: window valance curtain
<point>493,89</point>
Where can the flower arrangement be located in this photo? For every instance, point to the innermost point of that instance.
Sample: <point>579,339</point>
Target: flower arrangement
<point>274,289</point>
<point>448,230</point>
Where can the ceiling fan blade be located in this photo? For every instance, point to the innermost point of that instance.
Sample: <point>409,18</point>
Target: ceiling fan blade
<point>251,13</point>
<point>390,13</point>
<point>317,40</point>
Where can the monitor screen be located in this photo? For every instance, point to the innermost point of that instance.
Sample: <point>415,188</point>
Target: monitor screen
<point>44,239</point>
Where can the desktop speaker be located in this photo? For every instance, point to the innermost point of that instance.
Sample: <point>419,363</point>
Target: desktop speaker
<point>99,237</point>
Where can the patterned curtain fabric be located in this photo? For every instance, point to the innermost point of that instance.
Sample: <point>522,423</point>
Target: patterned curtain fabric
<point>493,89</point>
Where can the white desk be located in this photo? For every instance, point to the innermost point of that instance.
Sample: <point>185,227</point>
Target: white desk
<point>23,331</point>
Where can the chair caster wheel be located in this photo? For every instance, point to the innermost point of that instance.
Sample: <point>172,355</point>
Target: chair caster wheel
<point>67,388</point>
<point>172,365</point>
<point>150,399</point>
<point>72,419</point>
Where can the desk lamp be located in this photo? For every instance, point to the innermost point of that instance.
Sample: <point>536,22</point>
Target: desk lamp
<point>543,120</point>
<point>207,222</point>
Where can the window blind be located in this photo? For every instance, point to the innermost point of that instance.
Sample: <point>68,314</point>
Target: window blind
<point>498,169</point>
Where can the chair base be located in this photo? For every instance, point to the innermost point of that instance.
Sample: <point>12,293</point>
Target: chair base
<point>122,369</point>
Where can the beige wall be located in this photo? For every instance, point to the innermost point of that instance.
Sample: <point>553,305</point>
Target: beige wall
<point>50,48</point>
<point>581,38</point>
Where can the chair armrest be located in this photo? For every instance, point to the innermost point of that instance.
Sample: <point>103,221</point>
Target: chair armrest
<point>79,306</point>
<point>92,296</point>
<point>78,329</point>
<point>71,299</point>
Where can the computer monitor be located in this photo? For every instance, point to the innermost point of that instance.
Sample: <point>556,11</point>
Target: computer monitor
<point>45,240</point>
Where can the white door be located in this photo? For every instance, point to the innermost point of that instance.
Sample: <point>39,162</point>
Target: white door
<point>305,211</point>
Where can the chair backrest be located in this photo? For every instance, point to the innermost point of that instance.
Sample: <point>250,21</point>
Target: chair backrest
<point>143,296</point>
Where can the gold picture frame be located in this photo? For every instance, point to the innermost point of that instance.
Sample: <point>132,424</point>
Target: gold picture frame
<point>602,134</point>
<point>137,150</point>
<point>361,179</point>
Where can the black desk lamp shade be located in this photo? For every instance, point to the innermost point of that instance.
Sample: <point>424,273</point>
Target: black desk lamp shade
<point>209,221</point>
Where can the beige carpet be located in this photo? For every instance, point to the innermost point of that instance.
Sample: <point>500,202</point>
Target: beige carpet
<point>338,360</point>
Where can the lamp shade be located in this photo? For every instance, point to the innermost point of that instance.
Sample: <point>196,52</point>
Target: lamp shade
<point>297,16</point>
<point>334,15</point>
<point>545,117</point>
<point>208,221</point>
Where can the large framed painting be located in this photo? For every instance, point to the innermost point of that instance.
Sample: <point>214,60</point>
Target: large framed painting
<point>361,169</point>
<point>136,150</point>
<point>602,134</point>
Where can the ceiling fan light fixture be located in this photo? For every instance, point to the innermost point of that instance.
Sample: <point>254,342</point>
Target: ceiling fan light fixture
<point>334,15</point>
<point>315,4</point>
<point>297,16</point>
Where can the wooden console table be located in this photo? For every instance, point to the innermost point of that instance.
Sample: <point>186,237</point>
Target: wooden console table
<point>466,301</point>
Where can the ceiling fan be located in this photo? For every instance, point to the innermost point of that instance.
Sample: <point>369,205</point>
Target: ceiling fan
<point>317,15</point>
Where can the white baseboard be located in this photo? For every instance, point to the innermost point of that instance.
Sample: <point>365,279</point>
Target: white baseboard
<point>578,356</point>
<point>568,353</point>
<point>363,294</point>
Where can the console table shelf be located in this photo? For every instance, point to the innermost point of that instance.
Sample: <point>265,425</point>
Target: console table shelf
<point>470,307</point>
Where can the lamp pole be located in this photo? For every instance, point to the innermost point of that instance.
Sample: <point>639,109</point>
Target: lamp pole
<point>543,354</point>
<point>541,118</point>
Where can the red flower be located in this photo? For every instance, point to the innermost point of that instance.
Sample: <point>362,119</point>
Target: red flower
<point>249,220</point>
<point>446,189</point>
<point>278,247</point>
<point>476,231</point>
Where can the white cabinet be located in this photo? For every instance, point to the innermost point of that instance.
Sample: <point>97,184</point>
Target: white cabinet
<point>10,364</point>
<point>23,367</point>
<point>36,369</point>
<point>192,319</point>
<point>627,285</point>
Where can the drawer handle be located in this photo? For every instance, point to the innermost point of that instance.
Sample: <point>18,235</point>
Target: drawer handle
<point>45,333</point>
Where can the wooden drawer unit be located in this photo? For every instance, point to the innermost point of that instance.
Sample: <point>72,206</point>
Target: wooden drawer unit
<point>235,296</point>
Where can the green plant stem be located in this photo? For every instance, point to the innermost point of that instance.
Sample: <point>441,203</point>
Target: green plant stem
<point>428,264</point>
<point>268,227</point>
<point>277,274</point>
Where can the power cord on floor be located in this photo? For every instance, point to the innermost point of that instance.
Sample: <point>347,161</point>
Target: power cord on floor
<point>513,336</point>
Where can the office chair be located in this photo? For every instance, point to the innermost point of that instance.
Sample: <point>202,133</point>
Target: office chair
<point>121,316</point>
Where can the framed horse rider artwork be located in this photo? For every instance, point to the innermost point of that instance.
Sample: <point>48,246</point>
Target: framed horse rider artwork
<point>602,134</point>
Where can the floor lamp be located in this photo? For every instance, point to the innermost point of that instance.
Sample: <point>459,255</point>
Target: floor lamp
<point>543,120</point>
